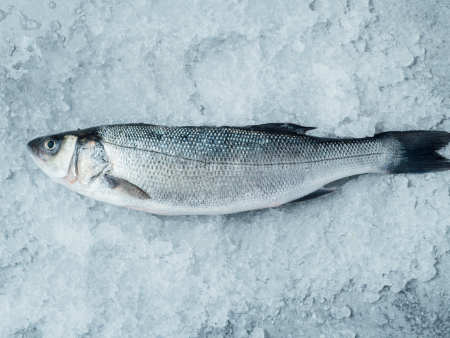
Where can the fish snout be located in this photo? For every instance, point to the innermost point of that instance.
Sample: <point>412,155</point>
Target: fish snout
<point>35,149</point>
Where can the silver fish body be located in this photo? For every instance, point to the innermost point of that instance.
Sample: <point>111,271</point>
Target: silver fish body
<point>214,170</point>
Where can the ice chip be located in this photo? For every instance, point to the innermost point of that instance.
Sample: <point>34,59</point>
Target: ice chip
<point>55,26</point>
<point>370,297</point>
<point>345,333</point>
<point>3,15</point>
<point>52,4</point>
<point>257,333</point>
<point>401,55</point>
<point>28,24</point>
<point>340,312</point>
<point>3,122</point>
<point>360,46</point>
<point>446,150</point>
<point>161,247</point>
<point>298,46</point>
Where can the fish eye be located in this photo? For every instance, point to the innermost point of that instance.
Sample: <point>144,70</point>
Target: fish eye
<point>50,144</point>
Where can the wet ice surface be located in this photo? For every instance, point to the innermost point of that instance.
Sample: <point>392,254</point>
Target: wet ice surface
<point>368,261</point>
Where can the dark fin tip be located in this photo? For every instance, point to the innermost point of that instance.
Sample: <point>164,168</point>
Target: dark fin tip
<point>126,187</point>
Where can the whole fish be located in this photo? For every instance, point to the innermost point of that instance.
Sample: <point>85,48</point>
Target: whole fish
<point>221,170</point>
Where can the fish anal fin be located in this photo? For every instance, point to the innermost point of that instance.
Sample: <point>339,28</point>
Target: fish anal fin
<point>317,193</point>
<point>281,128</point>
<point>126,187</point>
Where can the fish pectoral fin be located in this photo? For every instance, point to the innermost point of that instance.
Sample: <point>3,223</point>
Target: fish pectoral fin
<point>126,187</point>
<point>317,193</point>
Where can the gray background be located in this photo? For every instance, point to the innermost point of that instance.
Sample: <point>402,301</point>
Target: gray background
<point>367,261</point>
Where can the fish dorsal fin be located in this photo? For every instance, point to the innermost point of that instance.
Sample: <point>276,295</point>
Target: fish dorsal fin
<point>126,187</point>
<point>281,128</point>
<point>317,193</point>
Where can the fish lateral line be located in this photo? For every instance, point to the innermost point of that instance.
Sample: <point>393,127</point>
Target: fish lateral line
<point>242,164</point>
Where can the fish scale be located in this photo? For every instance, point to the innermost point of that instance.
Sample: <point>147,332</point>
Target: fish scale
<point>215,167</point>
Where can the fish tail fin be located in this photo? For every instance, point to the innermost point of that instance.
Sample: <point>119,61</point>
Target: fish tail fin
<point>416,151</point>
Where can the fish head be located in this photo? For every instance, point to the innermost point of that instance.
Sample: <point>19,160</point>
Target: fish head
<point>54,154</point>
<point>73,159</point>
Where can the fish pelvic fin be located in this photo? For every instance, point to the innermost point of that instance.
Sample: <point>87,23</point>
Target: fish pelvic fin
<point>315,194</point>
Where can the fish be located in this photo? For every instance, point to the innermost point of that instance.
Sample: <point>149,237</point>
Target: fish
<point>207,170</point>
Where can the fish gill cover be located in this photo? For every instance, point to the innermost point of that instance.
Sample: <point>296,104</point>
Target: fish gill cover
<point>369,261</point>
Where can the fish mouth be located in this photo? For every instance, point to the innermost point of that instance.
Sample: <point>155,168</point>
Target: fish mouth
<point>35,149</point>
<point>30,148</point>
